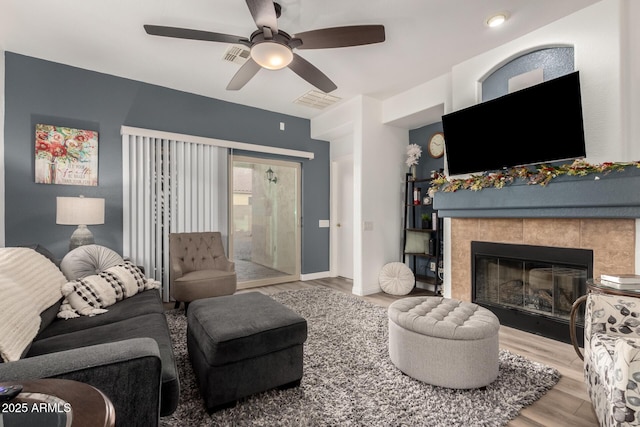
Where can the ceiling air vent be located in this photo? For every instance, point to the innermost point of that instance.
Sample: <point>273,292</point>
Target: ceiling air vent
<point>237,54</point>
<point>317,99</point>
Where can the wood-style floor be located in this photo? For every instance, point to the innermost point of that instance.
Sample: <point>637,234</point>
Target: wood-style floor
<point>566,404</point>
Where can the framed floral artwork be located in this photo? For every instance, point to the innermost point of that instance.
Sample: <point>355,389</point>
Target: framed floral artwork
<point>66,156</point>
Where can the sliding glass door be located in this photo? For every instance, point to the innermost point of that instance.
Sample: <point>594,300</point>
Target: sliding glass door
<point>265,220</point>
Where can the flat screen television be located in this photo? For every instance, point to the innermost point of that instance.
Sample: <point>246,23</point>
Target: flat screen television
<point>539,124</point>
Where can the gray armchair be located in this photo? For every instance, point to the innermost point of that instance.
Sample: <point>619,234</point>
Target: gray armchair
<point>611,356</point>
<point>199,267</point>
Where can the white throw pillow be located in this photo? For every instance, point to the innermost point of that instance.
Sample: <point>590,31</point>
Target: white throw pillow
<point>86,260</point>
<point>396,278</point>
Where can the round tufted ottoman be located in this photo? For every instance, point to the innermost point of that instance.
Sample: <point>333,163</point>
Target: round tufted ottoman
<point>444,342</point>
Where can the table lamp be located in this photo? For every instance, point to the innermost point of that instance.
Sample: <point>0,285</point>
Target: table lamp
<point>80,211</point>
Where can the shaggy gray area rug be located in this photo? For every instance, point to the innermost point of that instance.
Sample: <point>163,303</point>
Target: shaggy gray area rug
<point>350,381</point>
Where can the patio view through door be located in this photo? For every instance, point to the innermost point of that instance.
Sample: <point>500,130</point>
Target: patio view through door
<point>265,220</point>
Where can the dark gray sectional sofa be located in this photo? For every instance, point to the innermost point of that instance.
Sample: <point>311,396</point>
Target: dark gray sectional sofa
<point>126,353</point>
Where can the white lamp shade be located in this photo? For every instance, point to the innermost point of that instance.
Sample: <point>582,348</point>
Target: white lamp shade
<point>79,211</point>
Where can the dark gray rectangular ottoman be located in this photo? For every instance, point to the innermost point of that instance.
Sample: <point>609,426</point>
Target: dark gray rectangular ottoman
<point>243,344</point>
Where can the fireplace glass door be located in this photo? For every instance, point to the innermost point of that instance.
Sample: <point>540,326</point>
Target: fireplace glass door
<point>543,288</point>
<point>525,284</point>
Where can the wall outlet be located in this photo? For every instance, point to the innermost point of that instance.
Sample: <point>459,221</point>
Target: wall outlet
<point>368,226</point>
<point>432,266</point>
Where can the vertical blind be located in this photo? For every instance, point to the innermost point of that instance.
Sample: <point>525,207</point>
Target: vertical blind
<point>169,186</point>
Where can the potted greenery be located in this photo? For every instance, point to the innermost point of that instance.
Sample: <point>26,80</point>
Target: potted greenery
<point>426,221</point>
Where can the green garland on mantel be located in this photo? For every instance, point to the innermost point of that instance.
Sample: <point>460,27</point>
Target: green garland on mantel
<point>540,175</point>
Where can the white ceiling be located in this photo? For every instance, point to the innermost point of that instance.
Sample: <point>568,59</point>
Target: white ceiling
<point>424,39</point>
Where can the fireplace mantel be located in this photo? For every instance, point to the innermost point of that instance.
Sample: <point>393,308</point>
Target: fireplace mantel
<point>614,195</point>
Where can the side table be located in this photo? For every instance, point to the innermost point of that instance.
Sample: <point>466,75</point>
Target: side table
<point>596,286</point>
<point>57,402</point>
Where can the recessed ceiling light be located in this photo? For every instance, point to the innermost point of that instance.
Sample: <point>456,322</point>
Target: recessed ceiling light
<point>497,19</point>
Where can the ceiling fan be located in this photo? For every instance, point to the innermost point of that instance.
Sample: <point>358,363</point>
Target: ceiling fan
<point>272,48</point>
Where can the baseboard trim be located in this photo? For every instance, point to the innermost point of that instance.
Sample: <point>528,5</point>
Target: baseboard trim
<point>314,276</point>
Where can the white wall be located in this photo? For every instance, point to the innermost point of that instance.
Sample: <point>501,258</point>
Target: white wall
<point>596,34</point>
<point>383,151</point>
<point>606,39</point>
<point>338,122</point>
<point>338,126</point>
<point>631,60</point>
<point>419,106</point>
<point>631,80</point>
<point>2,148</point>
<point>378,164</point>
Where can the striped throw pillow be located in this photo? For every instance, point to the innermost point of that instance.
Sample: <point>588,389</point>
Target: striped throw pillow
<point>91,294</point>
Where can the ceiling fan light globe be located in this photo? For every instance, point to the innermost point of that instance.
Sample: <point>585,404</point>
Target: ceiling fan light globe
<point>271,55</point>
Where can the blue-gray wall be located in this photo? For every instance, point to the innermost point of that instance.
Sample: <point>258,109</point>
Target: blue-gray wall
<point>38,91</point>
<point>555,62</point>
<point>421,136</point>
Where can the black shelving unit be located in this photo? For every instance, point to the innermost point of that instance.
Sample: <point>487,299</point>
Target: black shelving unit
<point>422,245</point>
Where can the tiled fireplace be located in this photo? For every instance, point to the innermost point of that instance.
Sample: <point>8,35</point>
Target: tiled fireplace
<point>612,242</point>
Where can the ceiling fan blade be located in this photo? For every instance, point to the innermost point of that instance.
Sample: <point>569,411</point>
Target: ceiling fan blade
<point>355,35</point>
<point>185,33</point>
<point>264,14</point>
<point>310,73</point>
<point>244,74</point>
